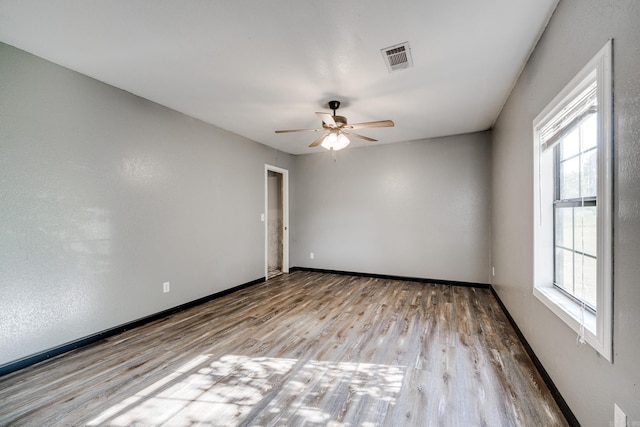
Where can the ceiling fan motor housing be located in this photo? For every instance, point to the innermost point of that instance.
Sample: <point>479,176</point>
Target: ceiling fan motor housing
<point>341,121</point>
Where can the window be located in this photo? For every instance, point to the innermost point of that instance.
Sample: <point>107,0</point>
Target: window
<point>575,212</point>
<point>573,204</point>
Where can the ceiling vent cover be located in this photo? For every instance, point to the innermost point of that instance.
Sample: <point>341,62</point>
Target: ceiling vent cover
<point>397,57</point>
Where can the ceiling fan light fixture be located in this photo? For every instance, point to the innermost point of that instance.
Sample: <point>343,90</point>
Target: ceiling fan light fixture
<point>335,141</point>
<point>329,141</point>
<point>342,142</point>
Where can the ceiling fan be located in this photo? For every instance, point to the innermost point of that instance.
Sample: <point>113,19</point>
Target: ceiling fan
<point>336,127</point>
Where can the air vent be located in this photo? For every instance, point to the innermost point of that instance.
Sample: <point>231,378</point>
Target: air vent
<point>397,57</point>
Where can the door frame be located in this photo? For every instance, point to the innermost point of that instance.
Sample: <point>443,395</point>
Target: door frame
<point>285,218</point>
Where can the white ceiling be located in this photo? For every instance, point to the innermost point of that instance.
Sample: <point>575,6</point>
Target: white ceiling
<point>254,66</point>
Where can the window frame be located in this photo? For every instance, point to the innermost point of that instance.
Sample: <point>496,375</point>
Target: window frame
<point>595,328</point>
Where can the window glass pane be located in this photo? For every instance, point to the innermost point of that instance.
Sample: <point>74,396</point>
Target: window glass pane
<point>586,230</point>
<point>564,227</point>
<point>589,132</point>
<point>570,145</point>
<point>590,174</point>
<point>586,279</point>
<point>564,269</point>
<point>570,178</point>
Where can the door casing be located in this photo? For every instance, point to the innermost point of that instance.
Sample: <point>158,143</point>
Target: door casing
<point>285,218</point>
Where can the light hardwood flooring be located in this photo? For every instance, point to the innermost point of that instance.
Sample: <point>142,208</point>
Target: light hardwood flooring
<point>301,349</point>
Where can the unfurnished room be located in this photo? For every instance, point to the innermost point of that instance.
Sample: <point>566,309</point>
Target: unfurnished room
<point>320,213</point>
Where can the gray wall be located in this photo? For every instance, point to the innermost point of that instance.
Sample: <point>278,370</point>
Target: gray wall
<point>577,30</point>
<point>416,209</point>
<point>104,196</point>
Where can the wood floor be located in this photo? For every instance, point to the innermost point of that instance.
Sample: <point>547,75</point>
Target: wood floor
<point>302,349</point>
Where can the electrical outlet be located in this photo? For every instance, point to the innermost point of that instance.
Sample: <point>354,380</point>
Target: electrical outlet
<point>312,255</point>
<point>619,417</point>
<point>262,217</point>
<point>493,271</point>
<point>166,287</point>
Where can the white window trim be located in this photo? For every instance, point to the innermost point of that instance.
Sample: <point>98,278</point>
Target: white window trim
<point>597,327</point>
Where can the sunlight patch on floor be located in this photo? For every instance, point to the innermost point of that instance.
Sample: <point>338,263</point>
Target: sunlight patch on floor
<point>227,391</point>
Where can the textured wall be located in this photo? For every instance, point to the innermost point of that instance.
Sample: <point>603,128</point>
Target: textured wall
<point>104,196</point>
<point>577,30</point>
<point>413,209</point>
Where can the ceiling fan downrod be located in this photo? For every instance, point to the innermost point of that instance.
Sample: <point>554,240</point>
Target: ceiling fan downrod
<point>334,105</point>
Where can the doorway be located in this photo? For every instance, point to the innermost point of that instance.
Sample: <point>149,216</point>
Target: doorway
<point>276,221</point>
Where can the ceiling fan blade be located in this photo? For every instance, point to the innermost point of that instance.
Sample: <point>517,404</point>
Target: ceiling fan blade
<point>318,141</point>
<point>327,119</point>
<point>366,138</point>
<point>378,124</point>
<point>299,130</point>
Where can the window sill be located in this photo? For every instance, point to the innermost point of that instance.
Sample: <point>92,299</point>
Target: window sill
<point>596,329</point>
<point>568,310</point>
